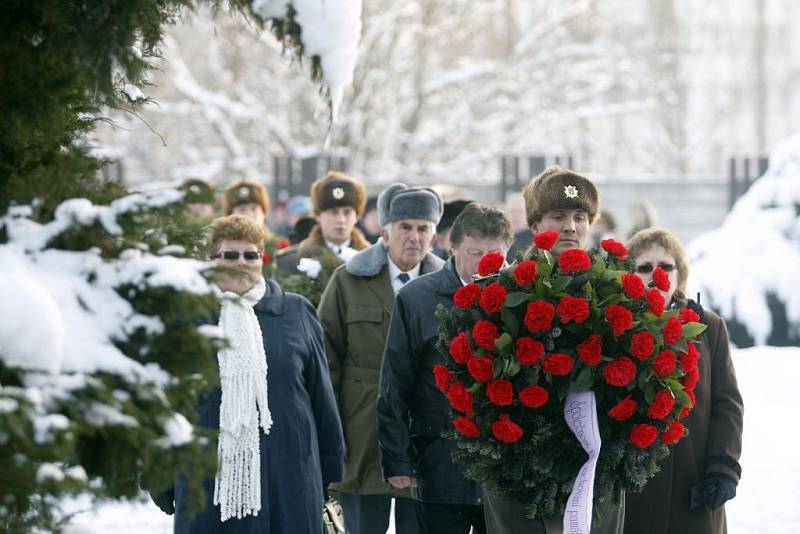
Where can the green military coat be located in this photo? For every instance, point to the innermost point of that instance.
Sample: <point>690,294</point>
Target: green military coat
<point>355,310</point>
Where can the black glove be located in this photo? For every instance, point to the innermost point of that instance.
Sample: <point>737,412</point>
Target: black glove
<point>164,500</point>
<point>718,489</point>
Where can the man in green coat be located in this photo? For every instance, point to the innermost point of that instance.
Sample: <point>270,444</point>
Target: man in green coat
<point>355,311</point>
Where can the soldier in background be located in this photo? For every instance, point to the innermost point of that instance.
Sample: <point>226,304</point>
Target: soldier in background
<point>251,199</point>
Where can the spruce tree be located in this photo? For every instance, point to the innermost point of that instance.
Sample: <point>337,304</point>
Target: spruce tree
<point>104,431</point>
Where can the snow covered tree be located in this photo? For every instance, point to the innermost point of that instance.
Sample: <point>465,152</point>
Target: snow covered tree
<point>103,343</point>
<point>748,270</point>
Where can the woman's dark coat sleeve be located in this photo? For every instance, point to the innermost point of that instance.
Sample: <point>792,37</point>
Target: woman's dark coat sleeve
<point>323,402</point>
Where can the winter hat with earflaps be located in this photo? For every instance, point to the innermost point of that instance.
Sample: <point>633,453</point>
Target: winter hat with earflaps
<point>559,188</point>
<point>398,201</point>
<point>338,190</point>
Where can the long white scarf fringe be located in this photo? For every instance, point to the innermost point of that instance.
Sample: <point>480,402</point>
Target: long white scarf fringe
<point>243,409</point>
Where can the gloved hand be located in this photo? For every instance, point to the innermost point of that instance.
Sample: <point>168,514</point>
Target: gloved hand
<point>718,489</point>
<point>164,500</point>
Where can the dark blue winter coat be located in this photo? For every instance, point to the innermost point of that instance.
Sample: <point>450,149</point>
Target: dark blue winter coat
<point>305,446</point>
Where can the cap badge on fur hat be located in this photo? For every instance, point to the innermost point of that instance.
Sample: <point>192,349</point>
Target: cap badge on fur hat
<point>571,191</point>
<point>194,189</point>
<point>337,193</point>
<point>244,191</point>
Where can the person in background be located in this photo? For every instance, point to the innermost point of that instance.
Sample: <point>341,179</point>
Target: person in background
<point>355,310</point>
<point>280,436</point>
<point>604,228</point>
<point>369,223</point>
<point>643,215</point>
<point>566,202</point>
<point>297,207</point>
<point>338,201</point>
<point>199,199</point>
<point>301,229</point>
<point>251,199</point>
<point>700,475</point>
<point>515,209</point>
<point>442,245</point>
<point>412,411</point>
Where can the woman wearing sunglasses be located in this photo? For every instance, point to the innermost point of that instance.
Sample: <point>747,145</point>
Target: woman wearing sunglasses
<point>702,472</point>
<point>280,436</point>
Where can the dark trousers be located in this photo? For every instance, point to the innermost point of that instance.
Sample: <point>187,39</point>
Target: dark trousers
<point>505,515</point>
<point>369,514</point>
<point>435,518</point>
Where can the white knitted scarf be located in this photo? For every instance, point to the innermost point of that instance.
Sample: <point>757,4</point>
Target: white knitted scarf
<point>243,373</point>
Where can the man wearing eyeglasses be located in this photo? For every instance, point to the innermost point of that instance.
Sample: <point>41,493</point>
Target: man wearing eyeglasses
<point>355,312</point>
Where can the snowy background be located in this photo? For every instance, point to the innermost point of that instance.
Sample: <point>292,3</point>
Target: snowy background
<point>766,498</point>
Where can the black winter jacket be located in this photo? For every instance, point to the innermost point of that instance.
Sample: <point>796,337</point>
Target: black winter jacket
<point>413,413</point>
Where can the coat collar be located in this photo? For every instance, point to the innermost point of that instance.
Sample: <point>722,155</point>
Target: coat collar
<point>315,243</point>
<point>273,301</point>
<point>370,261</point>
<point>449,281</point>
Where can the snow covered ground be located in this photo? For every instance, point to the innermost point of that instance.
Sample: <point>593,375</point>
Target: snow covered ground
<point>765,503</point>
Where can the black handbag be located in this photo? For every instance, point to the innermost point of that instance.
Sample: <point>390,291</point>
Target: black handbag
<point>332,516</point>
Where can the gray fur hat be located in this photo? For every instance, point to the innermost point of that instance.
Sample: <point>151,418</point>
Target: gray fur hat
<point>398,201</point>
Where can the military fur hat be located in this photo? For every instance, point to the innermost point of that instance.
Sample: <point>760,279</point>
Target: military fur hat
<point>197,191</point>
<point>338,189</point>
<point>245,192</point>
<point>398,201</point>
<point>559,188</point>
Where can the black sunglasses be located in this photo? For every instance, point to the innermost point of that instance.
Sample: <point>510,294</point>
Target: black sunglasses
<point>647,268</point>
<point>233,255</point>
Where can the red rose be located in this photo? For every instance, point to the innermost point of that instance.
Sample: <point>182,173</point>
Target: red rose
<point>656,302</point>
<point>467,427</point>
<point>460,399</point>
<point>460,349</point>
<point>690,358</point>
<point>506,430</point>
<point>282,244</point>
<point>442,376</point>
<point>620,372</point>
<point>574,260</point>
<point>691,379</point>
<point>467,296</point>
<point>688,409</point>
<point>525,273</point>
<point>528,351</point>
<point>481,369</point>
<point>673,331</point>
<point>590,350</point>
<point>662,405</point>
<point>619,317</point>
<point>688,315</point>
<point>643,436</point>
<point>493,298</point>
<point>675,432</point>
<point>558,364</point>
<point>664,364</point>
<point>633,286</point>
<point>500,392</point>
<point>545,240</point>
<point>642,344</point>
<point>484,333</point>
<point>573,309</point>
<point>661,279</point>
<point>614,247</point>
<point>266,258</point>
<point>533,396</point>
<point>539,316</point>
<point>491,263</point>
<point>624,409</point>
